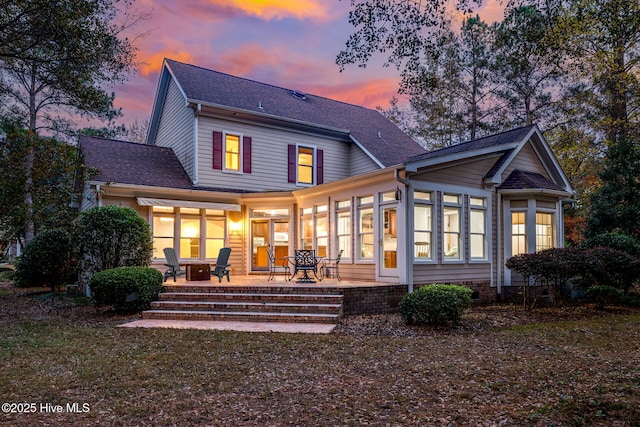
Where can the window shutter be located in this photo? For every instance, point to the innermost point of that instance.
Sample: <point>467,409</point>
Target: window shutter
<point>292,163</point>
<point>246,154</point>
<point>320,167</point>
<point>217,150</point>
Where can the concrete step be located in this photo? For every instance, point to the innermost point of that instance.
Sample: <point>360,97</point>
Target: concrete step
<point>249,297</point>
<point>248,304</point>
<point>240,316</point>
<point>261,307</point>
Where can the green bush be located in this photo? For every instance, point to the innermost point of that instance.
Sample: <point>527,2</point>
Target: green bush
<point>603,295</point>
<point>110,237</point>
<point>47,260</point>
<point>435,304</point>
<point>126,288</point>
<point>619,241</point>
<point>614,267</point>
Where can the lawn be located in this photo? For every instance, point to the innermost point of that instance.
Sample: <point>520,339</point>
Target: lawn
<point>501,367</point>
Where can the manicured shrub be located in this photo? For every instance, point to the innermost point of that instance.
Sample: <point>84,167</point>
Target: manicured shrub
<point>47,260</point>
<point>126,288</point>
<point>435,304</point>
<point>613,267</point>
<point>603,295</point>
<point>110,237</point>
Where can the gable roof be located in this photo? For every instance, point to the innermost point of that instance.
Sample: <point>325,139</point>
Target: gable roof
<point>505,145</point>
<point>135,164</point>
<point>384,142</point>
<point>522,180</point>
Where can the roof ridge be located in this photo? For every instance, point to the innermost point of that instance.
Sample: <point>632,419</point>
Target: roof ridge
<point>493,135</point>
<point>103,138</point>
<point>270,85</point>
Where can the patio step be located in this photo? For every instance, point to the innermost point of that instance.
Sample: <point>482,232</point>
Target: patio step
<point>247,303</point>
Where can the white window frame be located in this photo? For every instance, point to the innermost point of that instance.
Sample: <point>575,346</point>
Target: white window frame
<point>361,207</point>
<point>240,152</point>
<point>430,203</point>
<point>341,210</point>
<point>313,165</point>
<point>459,207</point>
<point>483,209</point>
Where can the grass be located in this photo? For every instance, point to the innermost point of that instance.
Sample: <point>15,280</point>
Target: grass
<point>569,373</point>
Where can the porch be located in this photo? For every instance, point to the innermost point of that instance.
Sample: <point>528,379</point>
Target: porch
<point>253,298</point>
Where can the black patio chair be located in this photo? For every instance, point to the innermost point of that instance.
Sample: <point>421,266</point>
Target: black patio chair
<point>331,267</point>
<point>277,265</point>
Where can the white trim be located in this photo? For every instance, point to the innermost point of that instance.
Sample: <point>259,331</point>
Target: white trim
<point>240,170</point>
<point>415,165</point>
<point>314,165</point>
<point>144,201</point>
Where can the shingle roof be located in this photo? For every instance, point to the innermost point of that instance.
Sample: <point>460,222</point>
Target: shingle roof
<point>385,141</point>
<point>508,137</point>
<point>521,180</point>
<point>130,163</point>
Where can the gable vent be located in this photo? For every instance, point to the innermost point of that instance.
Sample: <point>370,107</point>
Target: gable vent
<point>298,94</point>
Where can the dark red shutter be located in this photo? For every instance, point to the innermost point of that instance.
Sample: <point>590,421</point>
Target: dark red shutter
<point>292,163</point>
<point>217,150</point>
<point>246,154</point>
<point>320,167</point>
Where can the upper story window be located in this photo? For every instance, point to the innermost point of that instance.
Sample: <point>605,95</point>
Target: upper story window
<point>306,165</point>
<point>232,152</point>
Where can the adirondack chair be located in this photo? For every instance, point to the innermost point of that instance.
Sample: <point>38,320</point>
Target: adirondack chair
<point>222,265</point>
<point>173,264</point>
<point>277,265</point>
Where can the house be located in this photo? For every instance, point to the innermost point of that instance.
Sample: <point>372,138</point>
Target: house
<point>239,163</point>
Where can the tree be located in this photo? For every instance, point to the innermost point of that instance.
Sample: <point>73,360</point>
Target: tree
<point>66,51</point>
<point>526,63</point>
<point>615,206</point>
<point>55,164</point>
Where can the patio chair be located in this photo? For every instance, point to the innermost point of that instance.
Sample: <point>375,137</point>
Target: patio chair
<point>330,267</point>
<point>222,265</point>
<point>277,265</point>
<point>305,260</point>
<point>174,269</point>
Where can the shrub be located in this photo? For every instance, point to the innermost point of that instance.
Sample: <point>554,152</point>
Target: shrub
<point>435,304</point>
<point>614,267</point>
<point>110,237</point>
<point>126,288</point>
<point>619,241</point>
<point>46,260</point>
<point>603,295</point>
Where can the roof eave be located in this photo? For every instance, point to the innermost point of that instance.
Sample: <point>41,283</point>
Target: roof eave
<point>414,166</point>
<point>546,191</point>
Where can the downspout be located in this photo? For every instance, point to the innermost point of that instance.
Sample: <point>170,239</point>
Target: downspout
<point>195,144</point>
<point>499,237</point>
<point>98,196</point>
<point>408,236</point>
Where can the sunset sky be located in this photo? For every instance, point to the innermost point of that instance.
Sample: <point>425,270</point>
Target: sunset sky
<point>288,43</point>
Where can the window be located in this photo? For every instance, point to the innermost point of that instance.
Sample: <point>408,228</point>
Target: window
<point>232,152</point>
<point>451,227</point>
<point>215,233</point>
<point>322,232</point>
<point>365,227</point>
<point>422,225</point>
<point>477,228</point>
<point>518,233</point>
<point>307,232</point>
<point>544,231</point>
<point>343,227</point>
<point>163,229</point>
<point>190,237</point>
<point>305,165</point>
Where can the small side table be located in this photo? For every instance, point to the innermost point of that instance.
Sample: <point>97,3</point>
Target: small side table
<point>198,272</point>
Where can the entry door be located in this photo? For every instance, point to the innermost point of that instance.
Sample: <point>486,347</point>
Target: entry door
<point>389,249</point>
<point>265,232</point>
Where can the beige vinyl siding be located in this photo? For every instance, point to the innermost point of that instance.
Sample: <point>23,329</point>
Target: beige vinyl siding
<point>269,154</point>
<point>175,128</point>
<point>526,160</point>
<point>451,273</point>
<point>469,174</point>
<point>360,162</point>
